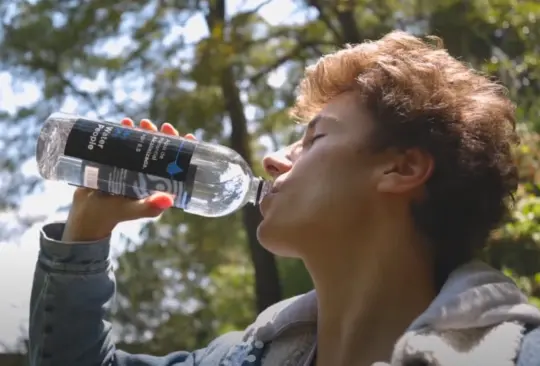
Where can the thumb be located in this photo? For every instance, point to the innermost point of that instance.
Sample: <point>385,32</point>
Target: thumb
<point>151,206</point>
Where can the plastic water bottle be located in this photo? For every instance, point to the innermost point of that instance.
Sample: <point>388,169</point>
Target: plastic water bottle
<point>205,179</point>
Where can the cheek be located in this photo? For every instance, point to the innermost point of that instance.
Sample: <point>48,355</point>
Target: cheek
<point>327,177</point>
<point>318,195</point>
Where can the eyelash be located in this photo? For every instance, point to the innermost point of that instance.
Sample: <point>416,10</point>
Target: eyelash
<point>314,138</point>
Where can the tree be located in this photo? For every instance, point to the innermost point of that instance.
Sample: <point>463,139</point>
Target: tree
<point>192,277</point>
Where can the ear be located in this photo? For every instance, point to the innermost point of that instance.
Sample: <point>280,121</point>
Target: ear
<point>405,171</point>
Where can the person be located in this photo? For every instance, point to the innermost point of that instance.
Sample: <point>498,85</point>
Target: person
<point>404,169</point>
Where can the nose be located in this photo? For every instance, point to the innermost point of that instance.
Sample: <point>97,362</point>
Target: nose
<point>277,163</point>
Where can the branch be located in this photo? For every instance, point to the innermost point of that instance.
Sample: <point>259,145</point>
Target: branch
<point>53,69</point>
<point>83,94</point>
<point>277,63</point>
<point>257,8</point>
<point>272,36</point>
<point>326,20</point>
<point>317,50</point>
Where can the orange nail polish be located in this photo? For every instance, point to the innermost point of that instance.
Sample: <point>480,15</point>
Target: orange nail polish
<point>162,202</point>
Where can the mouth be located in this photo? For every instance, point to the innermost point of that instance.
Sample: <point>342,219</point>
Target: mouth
<point>263,206</point>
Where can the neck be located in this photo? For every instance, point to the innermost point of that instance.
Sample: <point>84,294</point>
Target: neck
<point>369,294</point>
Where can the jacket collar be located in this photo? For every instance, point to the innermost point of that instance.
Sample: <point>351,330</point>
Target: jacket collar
<point>474,295</point>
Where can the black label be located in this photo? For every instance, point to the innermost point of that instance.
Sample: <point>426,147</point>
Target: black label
<point>128,183</point>
<point>129,148</point>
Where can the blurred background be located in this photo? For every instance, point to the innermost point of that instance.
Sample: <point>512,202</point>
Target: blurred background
<point>225,70</point>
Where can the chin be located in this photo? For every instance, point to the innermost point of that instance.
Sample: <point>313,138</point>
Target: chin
<point>276,239</point>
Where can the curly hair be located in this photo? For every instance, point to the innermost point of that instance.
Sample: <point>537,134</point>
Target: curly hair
<point>420,96</point>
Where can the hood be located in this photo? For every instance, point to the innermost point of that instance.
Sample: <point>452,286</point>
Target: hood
<point>474,295</point>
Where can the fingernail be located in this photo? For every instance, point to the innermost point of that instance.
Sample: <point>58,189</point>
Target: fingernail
<point>147,124</point>
<point>167,127</point>
<point>162,202</point>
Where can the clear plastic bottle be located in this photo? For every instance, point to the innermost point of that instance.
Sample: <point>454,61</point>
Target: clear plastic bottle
<point>205,179</point>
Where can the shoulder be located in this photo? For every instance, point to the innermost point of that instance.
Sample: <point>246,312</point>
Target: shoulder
<point>529,354</point>
<point>296,311</point>
<point>234,348</point>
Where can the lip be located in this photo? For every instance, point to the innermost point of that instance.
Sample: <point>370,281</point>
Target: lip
<point>276,186</point>
<point>270,194</point>
<point>263,206</point>
<point>263,203</point>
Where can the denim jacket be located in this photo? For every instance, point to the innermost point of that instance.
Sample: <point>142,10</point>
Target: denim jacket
<point>479,318</point>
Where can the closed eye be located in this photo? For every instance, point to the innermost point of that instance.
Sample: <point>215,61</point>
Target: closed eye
<point>313,139</point>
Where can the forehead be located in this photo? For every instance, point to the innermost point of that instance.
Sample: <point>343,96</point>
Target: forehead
<point>347,112</point>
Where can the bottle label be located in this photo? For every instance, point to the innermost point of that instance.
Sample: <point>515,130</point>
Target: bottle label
<point>131,149</point>
<point>136,185</point>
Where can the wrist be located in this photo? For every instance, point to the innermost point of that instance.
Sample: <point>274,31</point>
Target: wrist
<point>85,228</point>
<point>76,234</point>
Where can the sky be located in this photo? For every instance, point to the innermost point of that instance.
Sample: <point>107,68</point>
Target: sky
<point>18,257</point>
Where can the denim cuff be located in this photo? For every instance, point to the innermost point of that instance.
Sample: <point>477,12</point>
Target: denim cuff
<point>72,257</point>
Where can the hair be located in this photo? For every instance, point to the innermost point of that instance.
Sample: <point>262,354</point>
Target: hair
<point>421,97</point>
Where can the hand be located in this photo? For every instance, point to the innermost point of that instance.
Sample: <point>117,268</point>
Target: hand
<point>94,214</point>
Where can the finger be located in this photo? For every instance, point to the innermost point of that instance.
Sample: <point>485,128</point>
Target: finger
<point>168,129</point>
<point>151,206</point>
<point>190,136</point>
<point>160,200</point>
<point>81,193</point>
<point>147,125</point>
<point>128,122</point>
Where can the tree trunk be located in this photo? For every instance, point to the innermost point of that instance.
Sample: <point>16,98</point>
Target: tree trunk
<point>349,27</point>
<point>348,31</point>
<point>267,283</point>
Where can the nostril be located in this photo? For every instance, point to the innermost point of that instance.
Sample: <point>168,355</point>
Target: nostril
<point>270,166</point>
<point>276,164</point>
<point>271,169</point>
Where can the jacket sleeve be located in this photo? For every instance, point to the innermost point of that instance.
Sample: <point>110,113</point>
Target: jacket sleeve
<point>73,287</point>
<point>529,354</point>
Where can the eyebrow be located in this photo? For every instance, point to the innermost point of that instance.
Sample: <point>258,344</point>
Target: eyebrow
<point>320,117</point>
<point>313,123</point>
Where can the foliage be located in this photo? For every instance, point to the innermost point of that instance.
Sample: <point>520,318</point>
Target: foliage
<point>142,59</point>
<point>515,245</point>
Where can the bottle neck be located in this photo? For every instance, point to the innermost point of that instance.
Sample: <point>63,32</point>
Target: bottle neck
<point>258,188</point>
